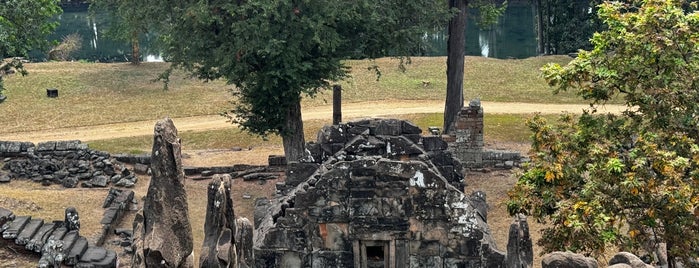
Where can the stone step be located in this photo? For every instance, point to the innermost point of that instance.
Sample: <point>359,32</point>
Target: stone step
<point>69,240</point>
<point>12,229</point>
<point>76,252</point>
<point>33,234</point>
<point>28,231</point>
<point>37,241</point>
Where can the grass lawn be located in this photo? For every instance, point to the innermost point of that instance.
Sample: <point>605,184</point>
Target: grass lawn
<point>100,93</point>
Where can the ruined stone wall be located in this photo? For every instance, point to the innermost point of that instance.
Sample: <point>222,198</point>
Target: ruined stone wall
<point>68,163</point>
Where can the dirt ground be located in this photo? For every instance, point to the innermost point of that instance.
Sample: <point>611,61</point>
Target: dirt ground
<point>349,111</point>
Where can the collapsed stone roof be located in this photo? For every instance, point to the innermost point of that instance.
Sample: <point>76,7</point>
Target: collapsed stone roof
<point>374,193</point>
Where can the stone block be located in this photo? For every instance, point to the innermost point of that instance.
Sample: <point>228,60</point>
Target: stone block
<point>141,168</point>
<point>519,244</point>
<point>567,259</point>
<point>67,145</point>
<point>10,230</point>
<point>5,178</point>
<point>332,134</point>
<point>297,172</point>
<point>339,259</point>
<point>276,160</point>
<point>315,152</point>
<point>46,146</point>
<point>76,250</point>
<point>28,231</point>
<point>10,148</point>
<point>6,215</point>
<point>415,138</point>
<point>99,181</point>
<point>408,127</point>
<point>388,127</point>
<point>402,146</point>
<point>434,143</point>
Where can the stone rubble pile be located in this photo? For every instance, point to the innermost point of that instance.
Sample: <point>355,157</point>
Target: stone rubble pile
<point>58,242</point>
<point>389,138</point>
<point>68,163</point>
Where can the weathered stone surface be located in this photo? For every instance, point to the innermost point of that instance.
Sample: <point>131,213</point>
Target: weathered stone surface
<point>298,172</point>
<point>520,252</point>
<point>52,253</point>
<point>219,249</point>
<point>72,219</point>
<point>28,231</point>
<point>567,259</point>
<point>434,143</point>
<point>163,230</point>
<point>5,216</point>
<point>5,178</point>
<point>140,168</point>
<point>243,241</point>
<point>11,229</point>
<point>408,127</point>
<point>99,181</point>
<point>628,259</point>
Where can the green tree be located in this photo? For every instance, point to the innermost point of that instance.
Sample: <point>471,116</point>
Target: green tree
<point>276,52</point>
<point>565,26</point>
<point>128,20</point>
<point>24,25</point>
<point>630,180</point>
<point>488,13</point>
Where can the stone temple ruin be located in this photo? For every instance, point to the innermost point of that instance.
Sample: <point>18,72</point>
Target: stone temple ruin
<point>375,193</point>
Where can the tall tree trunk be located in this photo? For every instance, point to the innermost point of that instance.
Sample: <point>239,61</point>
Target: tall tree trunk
<point>135,49</point>
<point>540,27</point>
<point>455,64</point>
<point>293,140</point>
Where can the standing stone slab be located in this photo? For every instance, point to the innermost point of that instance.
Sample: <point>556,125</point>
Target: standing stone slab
<point>243,241</point>
<point>165,231</point>
<point>218,249</point>
<point>519,244</point>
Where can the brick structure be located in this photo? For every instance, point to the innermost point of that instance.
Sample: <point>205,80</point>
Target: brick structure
<point>466,141</point>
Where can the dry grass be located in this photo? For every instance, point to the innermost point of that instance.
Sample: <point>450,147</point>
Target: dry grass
<point>99,93</point>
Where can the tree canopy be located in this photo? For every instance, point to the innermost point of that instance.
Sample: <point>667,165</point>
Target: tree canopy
<point>276,52</point>
<point>24,25</point>
<point>630,180</point>
<point>127,20</point>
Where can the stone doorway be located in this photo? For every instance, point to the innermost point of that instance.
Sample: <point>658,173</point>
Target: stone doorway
<point>375,254</point>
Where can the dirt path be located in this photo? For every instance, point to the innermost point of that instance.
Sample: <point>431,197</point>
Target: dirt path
<point>349,111</point>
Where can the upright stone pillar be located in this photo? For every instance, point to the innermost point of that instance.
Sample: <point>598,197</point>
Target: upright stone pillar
<point>243,241</point>
<point>337,104</point>
<point>519,244</point>
<point>162,227</point>
<point>219,248</point>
